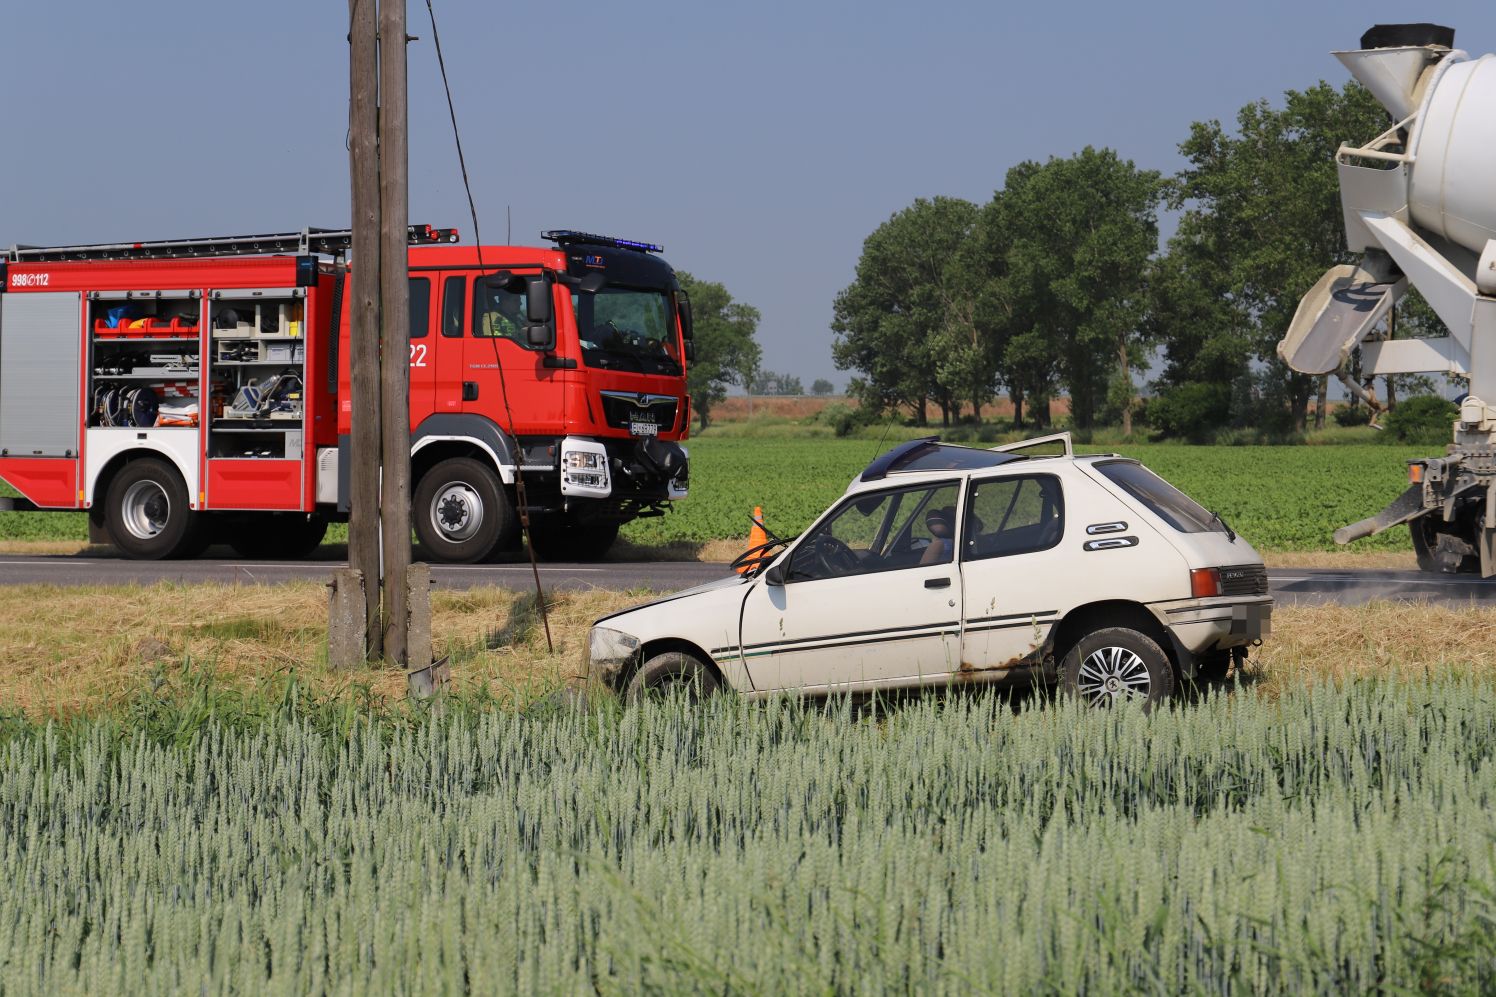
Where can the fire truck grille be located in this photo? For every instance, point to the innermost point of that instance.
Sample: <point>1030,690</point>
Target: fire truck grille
<point>623,409</point>
<point>1244,579</point>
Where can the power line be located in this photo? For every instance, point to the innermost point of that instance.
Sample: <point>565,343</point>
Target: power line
<point>519,475</point>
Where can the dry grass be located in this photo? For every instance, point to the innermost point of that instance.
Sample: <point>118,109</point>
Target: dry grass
<point>1346,559</point>
<point>1391,639</point>
<point>49,547</point>
<point>67,651</point>
<point>80,650</point>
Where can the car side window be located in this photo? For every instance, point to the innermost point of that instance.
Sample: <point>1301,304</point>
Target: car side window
<point>1020,514</point>
<point>880,531</point>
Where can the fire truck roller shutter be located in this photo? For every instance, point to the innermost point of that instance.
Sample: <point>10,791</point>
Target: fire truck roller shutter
<point>40,346</point>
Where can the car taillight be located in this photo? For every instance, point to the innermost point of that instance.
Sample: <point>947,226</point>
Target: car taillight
<point>1205,582</point>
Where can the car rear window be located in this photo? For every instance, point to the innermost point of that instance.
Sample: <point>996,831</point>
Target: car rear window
<point>1162,499</point>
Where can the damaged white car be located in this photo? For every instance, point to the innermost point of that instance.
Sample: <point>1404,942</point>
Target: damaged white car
<point>948,565</point>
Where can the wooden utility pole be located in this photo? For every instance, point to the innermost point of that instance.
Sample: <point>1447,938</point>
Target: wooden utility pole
<point>363,314</point>
<point>394,301</point>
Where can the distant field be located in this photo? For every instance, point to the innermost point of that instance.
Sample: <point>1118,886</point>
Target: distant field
<point>1280,498</point>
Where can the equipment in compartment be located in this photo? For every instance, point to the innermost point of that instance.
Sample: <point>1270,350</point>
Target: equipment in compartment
<point>275,397</point>
<point>145,353</point>
<point>126,405</point>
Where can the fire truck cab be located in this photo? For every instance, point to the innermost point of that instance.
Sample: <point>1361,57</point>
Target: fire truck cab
<point>192,392</point>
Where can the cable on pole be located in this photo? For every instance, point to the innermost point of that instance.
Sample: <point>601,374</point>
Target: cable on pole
<point>519,474</point>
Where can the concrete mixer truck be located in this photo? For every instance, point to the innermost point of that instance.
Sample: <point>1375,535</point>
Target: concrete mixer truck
<point>1419,203</point>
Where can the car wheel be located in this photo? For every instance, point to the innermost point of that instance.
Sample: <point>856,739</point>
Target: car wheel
<point>670,672</point>
<point>147,512</point>
<point>1116,665</point>
<point>276,536</point>
<point>461,512</point>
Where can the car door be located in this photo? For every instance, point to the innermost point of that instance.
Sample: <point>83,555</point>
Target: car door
<point>871,597</point>
<point>1010,583</point>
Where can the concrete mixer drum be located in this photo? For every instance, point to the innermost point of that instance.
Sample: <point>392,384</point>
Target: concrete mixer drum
<point>1419,203</point>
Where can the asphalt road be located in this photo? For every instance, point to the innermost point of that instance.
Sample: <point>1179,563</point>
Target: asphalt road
<point>1299,586</point>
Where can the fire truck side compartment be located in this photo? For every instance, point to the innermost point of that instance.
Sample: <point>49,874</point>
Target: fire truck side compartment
<point>39,364</point>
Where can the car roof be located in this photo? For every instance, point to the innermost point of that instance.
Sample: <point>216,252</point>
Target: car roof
<point>927,457</point>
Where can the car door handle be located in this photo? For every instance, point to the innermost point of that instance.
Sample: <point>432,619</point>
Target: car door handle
<point>937,583</point>
<point>469,391</point>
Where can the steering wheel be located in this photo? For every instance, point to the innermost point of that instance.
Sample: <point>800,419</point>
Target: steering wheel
<point>754,558</point>
<point>835,557</point>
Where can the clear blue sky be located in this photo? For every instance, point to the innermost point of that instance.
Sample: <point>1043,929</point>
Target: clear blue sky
<point>759,142</point>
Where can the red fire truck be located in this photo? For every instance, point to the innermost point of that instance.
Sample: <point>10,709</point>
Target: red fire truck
<point>191,392</point>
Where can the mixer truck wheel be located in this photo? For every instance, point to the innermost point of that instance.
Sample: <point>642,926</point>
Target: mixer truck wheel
<point>461,512</point>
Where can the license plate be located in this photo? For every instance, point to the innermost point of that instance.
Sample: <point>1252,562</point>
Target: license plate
<point>644,429</point>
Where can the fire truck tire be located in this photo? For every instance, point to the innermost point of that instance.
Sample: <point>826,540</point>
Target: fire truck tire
<point>461,512</point>
<point>560,538</point>
<point>278,536</point>
<point>147,512</point>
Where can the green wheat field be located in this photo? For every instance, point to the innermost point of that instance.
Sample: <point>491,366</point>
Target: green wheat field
<point>1329,840</point>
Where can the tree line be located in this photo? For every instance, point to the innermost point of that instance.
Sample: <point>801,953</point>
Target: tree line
<point>1058,284</point>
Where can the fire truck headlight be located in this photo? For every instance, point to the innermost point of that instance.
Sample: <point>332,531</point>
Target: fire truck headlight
<point>584,469</point>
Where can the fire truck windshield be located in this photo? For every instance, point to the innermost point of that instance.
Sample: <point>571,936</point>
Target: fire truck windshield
<point>628,328</point>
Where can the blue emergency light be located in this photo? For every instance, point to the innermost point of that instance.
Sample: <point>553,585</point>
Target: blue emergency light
<point>566,237</point>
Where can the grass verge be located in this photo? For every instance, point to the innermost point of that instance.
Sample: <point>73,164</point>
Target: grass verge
<point>87,651</point>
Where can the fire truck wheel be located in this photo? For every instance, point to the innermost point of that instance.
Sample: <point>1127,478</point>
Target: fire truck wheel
<point>147,513</point>
<point>559,538</point>
<point>278,536</point>
<point>461,512</point>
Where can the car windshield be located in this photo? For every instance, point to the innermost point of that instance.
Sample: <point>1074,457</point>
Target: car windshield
<point>628,328</point>
<point>1162,499</point>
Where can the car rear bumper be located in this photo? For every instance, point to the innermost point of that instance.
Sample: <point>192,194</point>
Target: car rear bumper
<point>1199,626</point>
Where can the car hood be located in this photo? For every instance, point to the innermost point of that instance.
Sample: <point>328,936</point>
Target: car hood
<point>729,582</point>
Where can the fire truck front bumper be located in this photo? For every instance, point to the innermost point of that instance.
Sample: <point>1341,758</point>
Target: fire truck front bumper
<point>649,469</point>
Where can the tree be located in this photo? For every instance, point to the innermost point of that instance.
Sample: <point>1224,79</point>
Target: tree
<point>1262,221</point>
<point>821,386</point>
<point>769,383</point>
<point>1074,238</point>
<point>726,352</point>
<point>903,322</point>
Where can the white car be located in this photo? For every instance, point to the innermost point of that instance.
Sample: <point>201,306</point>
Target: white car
<point>947,564</point>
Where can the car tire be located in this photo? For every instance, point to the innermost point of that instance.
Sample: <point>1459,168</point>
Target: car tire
<point>462,513</point>
<point>1118,664</point>
<point>560,538</point>
<point>278,536</point>
<point>667,672</point>
<point>147,512</point>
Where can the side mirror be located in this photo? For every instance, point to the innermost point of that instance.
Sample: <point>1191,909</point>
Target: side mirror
<point>538,300</point>
<point>775,574</point>
<point>540,337</point>
<point>690,351</point>
<point>683,306</point>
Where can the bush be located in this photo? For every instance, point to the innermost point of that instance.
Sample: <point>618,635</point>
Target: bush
<point>843,419</point>
<point>1351,415</point>
<point>1423,419</point>
<point>1191,411</point>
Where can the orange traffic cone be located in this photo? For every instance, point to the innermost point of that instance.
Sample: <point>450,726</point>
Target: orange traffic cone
<point>757,535</point>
